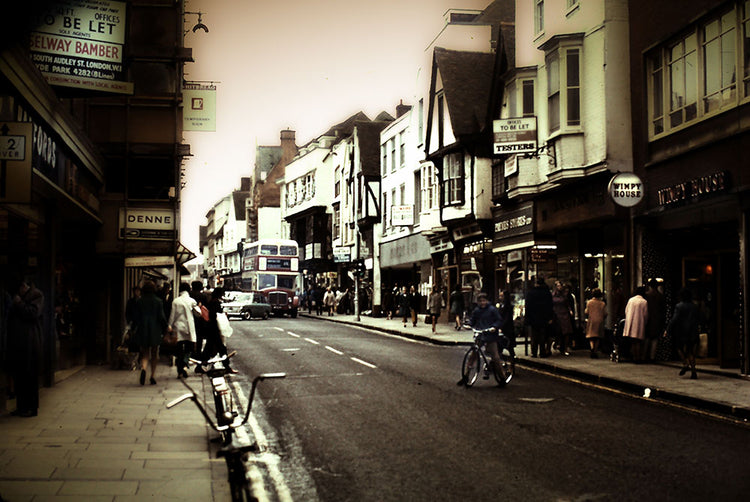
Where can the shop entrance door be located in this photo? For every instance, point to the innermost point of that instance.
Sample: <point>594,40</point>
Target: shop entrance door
<point>713,281</point>
<point>447,279</point>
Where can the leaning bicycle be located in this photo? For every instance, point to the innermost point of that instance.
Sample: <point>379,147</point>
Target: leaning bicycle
<point>476,361</point>
<point>228,419</point>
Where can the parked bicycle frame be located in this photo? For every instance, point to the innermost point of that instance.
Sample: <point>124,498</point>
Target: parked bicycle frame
<point>228,419</point>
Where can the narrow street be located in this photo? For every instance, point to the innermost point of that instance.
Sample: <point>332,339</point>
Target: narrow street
<point>367,416</point>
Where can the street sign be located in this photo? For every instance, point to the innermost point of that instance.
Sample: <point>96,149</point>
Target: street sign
<point>626,189</point>
<point>15,162</point>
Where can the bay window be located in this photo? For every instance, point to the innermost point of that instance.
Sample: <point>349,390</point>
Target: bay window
<point>453,179</point>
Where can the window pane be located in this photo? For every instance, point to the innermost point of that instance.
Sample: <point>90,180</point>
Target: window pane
<point>691,74</point>
<point>553,103</point>
<point>677,85</point>
<point>656,94</point>
<point>553,75</point>
<point>572,68</point>
<point>528,98</point>
<point>712,75</point>
<point>574,107</point>
<point>728,73</point>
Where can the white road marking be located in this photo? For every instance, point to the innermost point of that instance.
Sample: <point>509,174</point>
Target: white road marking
<point>334,350</point>
<point>295,335</point>
<point>365,363</point>
<point>312,341</point>
<point>279,483</point>
<point>295,349</point>
<point>278,329</point>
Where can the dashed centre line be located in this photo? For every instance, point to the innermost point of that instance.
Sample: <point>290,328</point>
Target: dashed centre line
<point>295,335</point>
<point>334,350</point>
<point>278,329</point>
<point>365,363</point>
<point>312,341</point>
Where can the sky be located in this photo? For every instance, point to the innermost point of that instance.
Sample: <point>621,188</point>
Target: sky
<point>299,64</point>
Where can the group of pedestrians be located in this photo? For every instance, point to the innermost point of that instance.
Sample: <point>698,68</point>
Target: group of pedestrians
<point>192,320</point>
<point>330,300</point>
<point>550,316</point>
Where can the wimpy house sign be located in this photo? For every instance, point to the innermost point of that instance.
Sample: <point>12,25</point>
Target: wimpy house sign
<point>79,43</point>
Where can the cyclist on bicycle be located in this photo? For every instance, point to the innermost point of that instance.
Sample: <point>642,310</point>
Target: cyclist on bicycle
<point>486,317</point>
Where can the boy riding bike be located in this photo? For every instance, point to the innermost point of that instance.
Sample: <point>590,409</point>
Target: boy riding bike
<point>486,317</point>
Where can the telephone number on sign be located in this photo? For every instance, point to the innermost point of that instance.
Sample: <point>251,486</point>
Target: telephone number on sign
<point>515,148</point>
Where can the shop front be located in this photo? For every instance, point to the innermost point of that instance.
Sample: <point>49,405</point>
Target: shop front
<point>405,262</point>
<point>692,236</point>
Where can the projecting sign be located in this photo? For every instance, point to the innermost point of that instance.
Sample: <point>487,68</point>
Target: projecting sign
<point>199,107</point>
<point>147,224</point>
<point>626,189</point>
<point>516,135</point>
<point>15,162</point>
<point>79,43</point>
<point>342,254</point>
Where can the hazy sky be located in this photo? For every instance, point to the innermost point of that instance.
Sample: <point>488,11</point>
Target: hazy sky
<point>298,64</point>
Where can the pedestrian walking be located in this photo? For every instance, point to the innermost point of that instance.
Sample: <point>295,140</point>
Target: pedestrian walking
<point>329,300</point>
<point>636,317</point>
<point>563,320</point>
<point>414,304</point>
<point>387,302</point>
<point>182,323</point>
<point>656,319</point>
<point>24,343</point>
<point>435,304</point>
<point>214,343</point>
<point>457,305</point>
<point>538,317</point>
<point>150,324</point>
<point>404,304</point>
<point>683,329</point>
<point>596,312</point>
<point>166,295</point>
<point>318,299</point>
<point>197,294</point>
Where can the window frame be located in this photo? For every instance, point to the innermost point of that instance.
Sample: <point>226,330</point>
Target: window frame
<point>563,89</point>
<point>538,17</point>
<point>453,187</point>
<point>658,104</point>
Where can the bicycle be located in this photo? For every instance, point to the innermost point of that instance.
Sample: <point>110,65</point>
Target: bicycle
<point>476,361</point>
<point>228,419</point>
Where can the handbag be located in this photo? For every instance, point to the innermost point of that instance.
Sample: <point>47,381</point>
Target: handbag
<point>204,313</point>
<point>170,338</point>
<point>224,327</point>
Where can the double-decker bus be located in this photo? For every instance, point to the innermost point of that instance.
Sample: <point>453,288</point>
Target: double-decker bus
<point>271,266</point>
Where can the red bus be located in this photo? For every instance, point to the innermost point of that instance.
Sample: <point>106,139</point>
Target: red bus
<point>271,266</point>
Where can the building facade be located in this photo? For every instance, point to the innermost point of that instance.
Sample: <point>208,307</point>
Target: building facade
<point>690,114</point>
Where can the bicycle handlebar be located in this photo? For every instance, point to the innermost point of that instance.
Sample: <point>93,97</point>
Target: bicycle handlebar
<point>194,397</point>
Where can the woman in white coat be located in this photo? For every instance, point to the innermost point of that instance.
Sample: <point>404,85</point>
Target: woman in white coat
<point>182,323</point>
<point>636,315</point>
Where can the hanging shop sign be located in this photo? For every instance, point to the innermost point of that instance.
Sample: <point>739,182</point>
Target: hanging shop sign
<point>79,43</point>
<point>626,189</point>
<point>199,107</point>
<point>15,162</point>
<point>516,135</point>
<point>147,224</point>
<point>693,189</point>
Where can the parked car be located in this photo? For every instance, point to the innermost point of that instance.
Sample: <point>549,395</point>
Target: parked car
<point>246,305</point>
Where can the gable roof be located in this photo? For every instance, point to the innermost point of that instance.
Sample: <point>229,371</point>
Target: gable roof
<point>368,139</point>
<point>346,128</point>
<point>467,82</point>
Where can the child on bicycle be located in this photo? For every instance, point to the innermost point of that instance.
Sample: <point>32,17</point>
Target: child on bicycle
<point>487,317</point>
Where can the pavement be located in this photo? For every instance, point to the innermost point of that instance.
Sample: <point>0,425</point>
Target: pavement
<point>100,435</point>
<point>717,391</point>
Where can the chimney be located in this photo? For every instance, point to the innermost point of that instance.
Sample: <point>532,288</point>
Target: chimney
<point>401,108</point>
<point>245,184</point>
<point>288,146</point>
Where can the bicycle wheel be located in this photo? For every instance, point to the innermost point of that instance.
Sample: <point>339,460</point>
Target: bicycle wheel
<point>238,485</point>
<point>503,374</point>
<point>471,366</point>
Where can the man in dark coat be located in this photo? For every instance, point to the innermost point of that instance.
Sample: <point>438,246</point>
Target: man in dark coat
<point>539,316</point>
<point>656,319</point>
<point>24,347</point>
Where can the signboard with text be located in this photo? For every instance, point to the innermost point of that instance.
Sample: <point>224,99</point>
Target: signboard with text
<point>199,107</point>
<point>342,254</point>
<point>147,224</point>
<point>79,43</point>
<point>516,135</point>
<point>15,162</point>
<point>402,216</point>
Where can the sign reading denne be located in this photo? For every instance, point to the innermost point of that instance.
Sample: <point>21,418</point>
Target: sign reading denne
<point>79,43</point>
<point>516,135</point>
